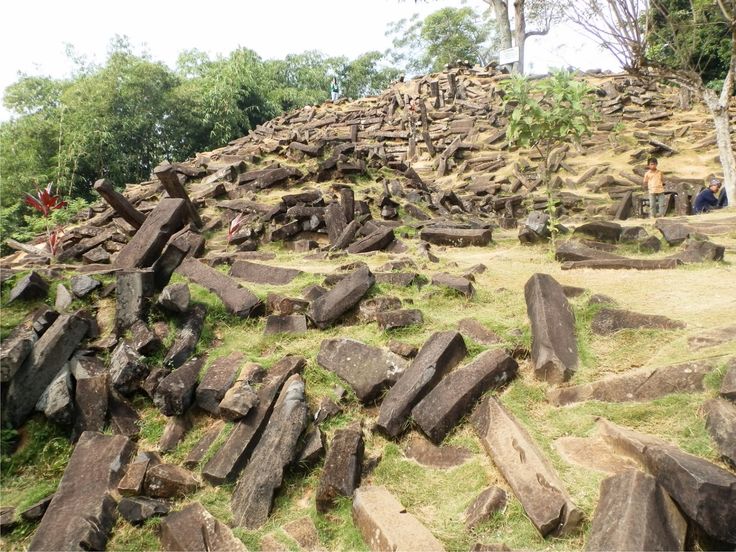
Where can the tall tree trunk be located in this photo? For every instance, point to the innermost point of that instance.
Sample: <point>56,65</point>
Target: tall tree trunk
<point>501,10</point>
<point>719,113</point>
<point>520,33</point>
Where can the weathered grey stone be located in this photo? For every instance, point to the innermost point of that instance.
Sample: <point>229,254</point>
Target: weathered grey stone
<point>623,264</point>
<point>175,298</point>
<point>600,230</point>
<point>487,503</point>
<point>335,221</point>
<point>700,251</point>
<point>127,369</point>
<point>227,462</point>
<point>8,521</point>
<point>368,309</point>
<point>187,338</point>
<point>404,350</point>
<point>327,308</point>
<point>138,509</point>
<point>237,300</point>
<point>119,203</point>
<point>194,529</point>
<point>456,237</point>
<point>168,481</point>
<point>633,234</point>
<point>526,470</point>
<point>554,345</point>
<point>36,511</point>
<point>728,385</point>
<point>198,451</point>
<point>290,324</point>
<point>313,447</point>
<point>638,385</point>
<point>368,370</point>
<point>124,419</point>
<point>15,348</point>
<point>175,431</point>
<point>56,401</point>
<point>29,287</point>
<point>607,321</point>
<point>327,409</point>
<point>573,250</point>
<point>458,283</point>
<point>46,359</point>
<point>470,327</point>
<point>375,241</point>
<point>694,483</point>
<point>341,472</point>
<point>148,242</point>
<point>425,453</point>
<point>386,525</point>
<point>253,495</point>
<point>304,532</point>
<point>82,512</point>
<point>131,483</point>
<point>175,393</point>
<point>133,292</point>
<point>263,274</point>
<point>347,236</point>
<point>398,279</point>
<point>673,233</point>
<point>720,420</point>
<point>712,337</point>
<point>440,354</point>
<point>592,453</point>
<point>455,394</point>
<point>83,285</point>
<point>218,378</point>
<point>390,320</point>
<point>635,513</point>
<point>64,298</point>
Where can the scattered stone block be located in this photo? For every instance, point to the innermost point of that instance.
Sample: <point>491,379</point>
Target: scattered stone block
<point>82,512</point>
<point>133,292</point>
<point>237,300</point>
<point>386,525</point>
<point>148,242</point>
<point>440,354</point>
<point>638,385</point>
<point>199,450</point>
<point>64,298</point>
<point>127,369</point>
<point>253,495</point>
<point>608,321</point>
<point>263,274</point>
<point>455,394</point>
<point>427,454</point>
<point>304,532</point>
<point>728,385</point>
<point>175,298</point>
<point>174,432</point>
<point>368,309</point>
<point>456,237</point>
<point>218,378</point>
<point>229,460</point>
<point>700,251</point>
<point>56,402</point>
<point>470,327</point>
<point>720,420</point>
<point>390,320</point>
<point>15,348</point>
<point>368,370</point>
<point>404,350</point>
<point>36,511</point>
<point>458,283</point>
<point>187,338</point>
<point>600,230</point>
<point>573,250</point>
<point>169,481</point>
<point>673,233</point>
<point>8,520</point>
<point>83,285</point>
<point>526,470</point>
<point>47,357</point>
<point>327,308</point>
<point>554,345</point>
<point>375,241</point>
<point>327,409</point>
<point>491,501</point>
<point>194,529</point>
<point>138,509</point>
<point>124,419</point>
<point>28,288</point>
<point>285,324</point>
<point>175,394</point>
<point>341,472</point>
<point>635,513</point>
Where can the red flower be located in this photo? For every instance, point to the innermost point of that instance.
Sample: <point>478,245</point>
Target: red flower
<point>45,201</point>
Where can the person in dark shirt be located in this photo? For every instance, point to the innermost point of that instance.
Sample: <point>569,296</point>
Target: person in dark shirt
<point>707,199</point>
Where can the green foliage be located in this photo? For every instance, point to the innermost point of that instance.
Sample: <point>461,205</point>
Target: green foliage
<point>443,37</point>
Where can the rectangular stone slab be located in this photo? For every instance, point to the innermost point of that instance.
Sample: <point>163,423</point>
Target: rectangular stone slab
<point>227,462</point>
<point>263,274</point>
<point>83,511</point>
<point>236,298</point>
<point>46,359</point>
<point>440,354</point>
<point>341,472</point>
<point>195,529</point>
<point>456,393</point>
<point>385,524</point>
<point>456,237</point>
<point>146,245</point>
<point>635,513</point>
<point>527,471</point>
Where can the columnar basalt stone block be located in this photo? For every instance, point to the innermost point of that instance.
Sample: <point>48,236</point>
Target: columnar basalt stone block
<point>341,472</point>
<point>327,308</point>
<point>133,292</point>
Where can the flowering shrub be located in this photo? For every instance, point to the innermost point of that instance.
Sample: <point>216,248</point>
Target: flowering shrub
<point>46,202</point>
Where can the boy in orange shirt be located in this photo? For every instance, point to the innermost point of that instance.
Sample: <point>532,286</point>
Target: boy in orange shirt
<point>654,184</point>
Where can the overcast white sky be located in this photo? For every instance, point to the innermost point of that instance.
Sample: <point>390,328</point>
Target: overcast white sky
<point>34,32</point>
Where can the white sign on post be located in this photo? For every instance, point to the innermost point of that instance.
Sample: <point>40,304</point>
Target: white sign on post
<point>508,56</point>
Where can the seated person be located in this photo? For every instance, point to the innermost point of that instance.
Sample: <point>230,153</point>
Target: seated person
<point>707,199</point>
